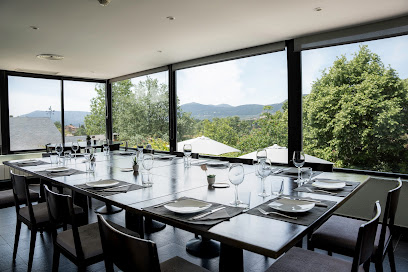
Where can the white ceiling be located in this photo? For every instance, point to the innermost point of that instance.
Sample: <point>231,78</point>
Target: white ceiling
<point>125,37</point>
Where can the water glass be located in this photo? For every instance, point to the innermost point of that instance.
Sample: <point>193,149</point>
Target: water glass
<point>54,158</point>
<point>67,155</point>
<point>187,149</point>
<point>147,180</point>
<point>90,166</point>
<point>307,174</point>
<point>277,186</point>
<point>187,161</point>
<point>245,198</point>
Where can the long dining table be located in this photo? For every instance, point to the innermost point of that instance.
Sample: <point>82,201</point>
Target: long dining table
<point>246,230</point>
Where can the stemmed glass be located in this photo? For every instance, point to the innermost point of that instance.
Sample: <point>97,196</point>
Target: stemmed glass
<point>236,177</point>
<point>75,148</point>
<point>106,148</point>
<point>187,148</point>
<point>140,153</point>
<point>59,149</point>
<point>264,169</point>
<point>148,161</point>
<point>89,157</point>
<point>261,155</point>
<point>298,161</point>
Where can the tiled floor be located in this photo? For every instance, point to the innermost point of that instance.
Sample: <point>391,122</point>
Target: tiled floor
<point>170,241</point>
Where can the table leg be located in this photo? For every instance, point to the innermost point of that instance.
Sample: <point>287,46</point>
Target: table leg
<point>231,258</point>
<point>135,222</point>
<point>108,209</point>
<point>152,226</point>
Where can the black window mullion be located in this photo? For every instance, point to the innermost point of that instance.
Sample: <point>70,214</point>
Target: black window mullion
<point>62,112</point>
<point>172,109</point>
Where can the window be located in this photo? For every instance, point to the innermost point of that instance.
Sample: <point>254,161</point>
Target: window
<point>140,111</point>
<point>355,104</point>
<point>240,103</point>
<point>35,112</point>
<point>84,110</point>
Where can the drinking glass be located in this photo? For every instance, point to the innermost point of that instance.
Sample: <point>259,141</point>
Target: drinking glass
<point>187,148</point>
<point>59,149</point>
<point>264,169</point>
<point>236,177</point>
<point>75,148</point>
<point>277,186</point>
<point>298,161</point>
<point>148,161</point>
<point>106,148</point>
<point>261,155</point>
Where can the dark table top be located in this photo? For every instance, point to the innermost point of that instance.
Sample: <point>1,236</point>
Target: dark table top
<point>262,235</point>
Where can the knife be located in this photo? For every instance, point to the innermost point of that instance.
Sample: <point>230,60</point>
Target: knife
<point>317,202</point>
<point>207,213</point>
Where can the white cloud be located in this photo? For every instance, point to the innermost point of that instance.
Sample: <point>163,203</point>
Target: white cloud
<point>211,84</point>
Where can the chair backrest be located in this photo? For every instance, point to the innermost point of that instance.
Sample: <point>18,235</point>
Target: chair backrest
<point>127,252</point>
<point>61,211</point>
<point>22,194</point>
<point>391,206</point>
<point>366,238</point>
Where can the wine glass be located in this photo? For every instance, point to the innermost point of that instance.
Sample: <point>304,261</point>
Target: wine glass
<point>236,177</point>
<point>187,148</point>
<point>264,169</point>
<point>75,147</point>
<point>59,149</point>
<point>148,161</point>
<point>106,148</point>
<point>298,161</point>
<point>140,153</point>
<point>261,155</point>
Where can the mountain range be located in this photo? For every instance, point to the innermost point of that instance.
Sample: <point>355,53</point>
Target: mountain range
<point>75,118</point>
<point>248,111</point>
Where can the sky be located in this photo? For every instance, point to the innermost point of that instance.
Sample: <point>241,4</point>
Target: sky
<point>255,80</point>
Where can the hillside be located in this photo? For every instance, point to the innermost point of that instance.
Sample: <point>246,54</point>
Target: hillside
<point>248,111</point>
<point>75,118</point>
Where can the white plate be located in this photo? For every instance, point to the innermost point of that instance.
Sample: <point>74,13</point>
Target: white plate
<point>291,205</point>
<point>57,169</point>
<point>102,183</point>
<point>216,163</point>
<point>126,169</point>
<point>187,206</point>
<point>220,185</point>
<point>164,156</point>
<point>329,184</point>
<point>28,161</point>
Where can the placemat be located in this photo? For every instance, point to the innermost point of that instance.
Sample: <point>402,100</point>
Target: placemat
<point>305,218</point>
<point>206,222</point>
<point>295,175</point>
<point>106,192</point>
<point>309,188</point>
<point>20,164</point>
<point>70,172</point>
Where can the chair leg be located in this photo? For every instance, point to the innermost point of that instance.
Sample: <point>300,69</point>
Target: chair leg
<point>391,257</point>
<point>108,265</point>
<point>366,266</point>
<point>16,239</point>
<point>379,266</point>
<point>55,259</point>
<point>330,253</point>
<point>32,247</point>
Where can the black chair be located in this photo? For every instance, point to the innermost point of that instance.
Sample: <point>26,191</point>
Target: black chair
<point>130,253</point>
<point>80,244</point>
<point>298,259</point>
<point>34,216</point>
<point>339,233</point>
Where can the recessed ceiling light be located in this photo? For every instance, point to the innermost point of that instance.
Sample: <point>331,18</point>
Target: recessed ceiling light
<point>34,27</point>
<point>317,9</point>
<point>104,2</point>
<point>159,51</point>
<point>170,18</point>
<point>50,57</point>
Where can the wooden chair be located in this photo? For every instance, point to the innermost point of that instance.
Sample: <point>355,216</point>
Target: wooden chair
<point>298,259</point>
<point>80,244</point>
<point>34,216</point>
<point>339,233</point>
<point>130,253</point>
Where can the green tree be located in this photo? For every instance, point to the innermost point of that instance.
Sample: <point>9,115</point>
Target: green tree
<point>95,122</point>
<point>356,115</point>
<point>58,125</point>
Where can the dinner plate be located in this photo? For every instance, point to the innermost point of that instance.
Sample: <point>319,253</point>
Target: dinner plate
<point>220,185</point>
<point>290,171</point>
<point>126,169</point>
<point>329,184</point>
<point>102,183</point>
<point>216,163</point>
<point>57,169</point>
<point>164,156</point>
<point>291,205</point>
<point>28,162</point>
<point>187,206</point>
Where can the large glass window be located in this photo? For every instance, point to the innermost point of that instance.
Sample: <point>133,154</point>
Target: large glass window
<point>140,111</point>
<point>35,112</point>
<point>84,110</point>
<point>240,103</point>
<point>356,106</point>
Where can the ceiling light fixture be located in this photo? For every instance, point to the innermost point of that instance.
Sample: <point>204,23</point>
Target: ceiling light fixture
<point>50,57</point>
<point>170,18</point>
<point>34,27</point>
<point>159,51</point>
<point>317,9</point>
<point>104,2</point>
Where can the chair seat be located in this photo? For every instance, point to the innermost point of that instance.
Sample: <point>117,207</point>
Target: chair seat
<point>298,259</point>
<point>339,234</point>
<point>41,212</point>
<point>90,239</point>
<point>7,198</point>
<point>178,264</point>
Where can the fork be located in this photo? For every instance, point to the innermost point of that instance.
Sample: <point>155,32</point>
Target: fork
<point>281,214</point>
